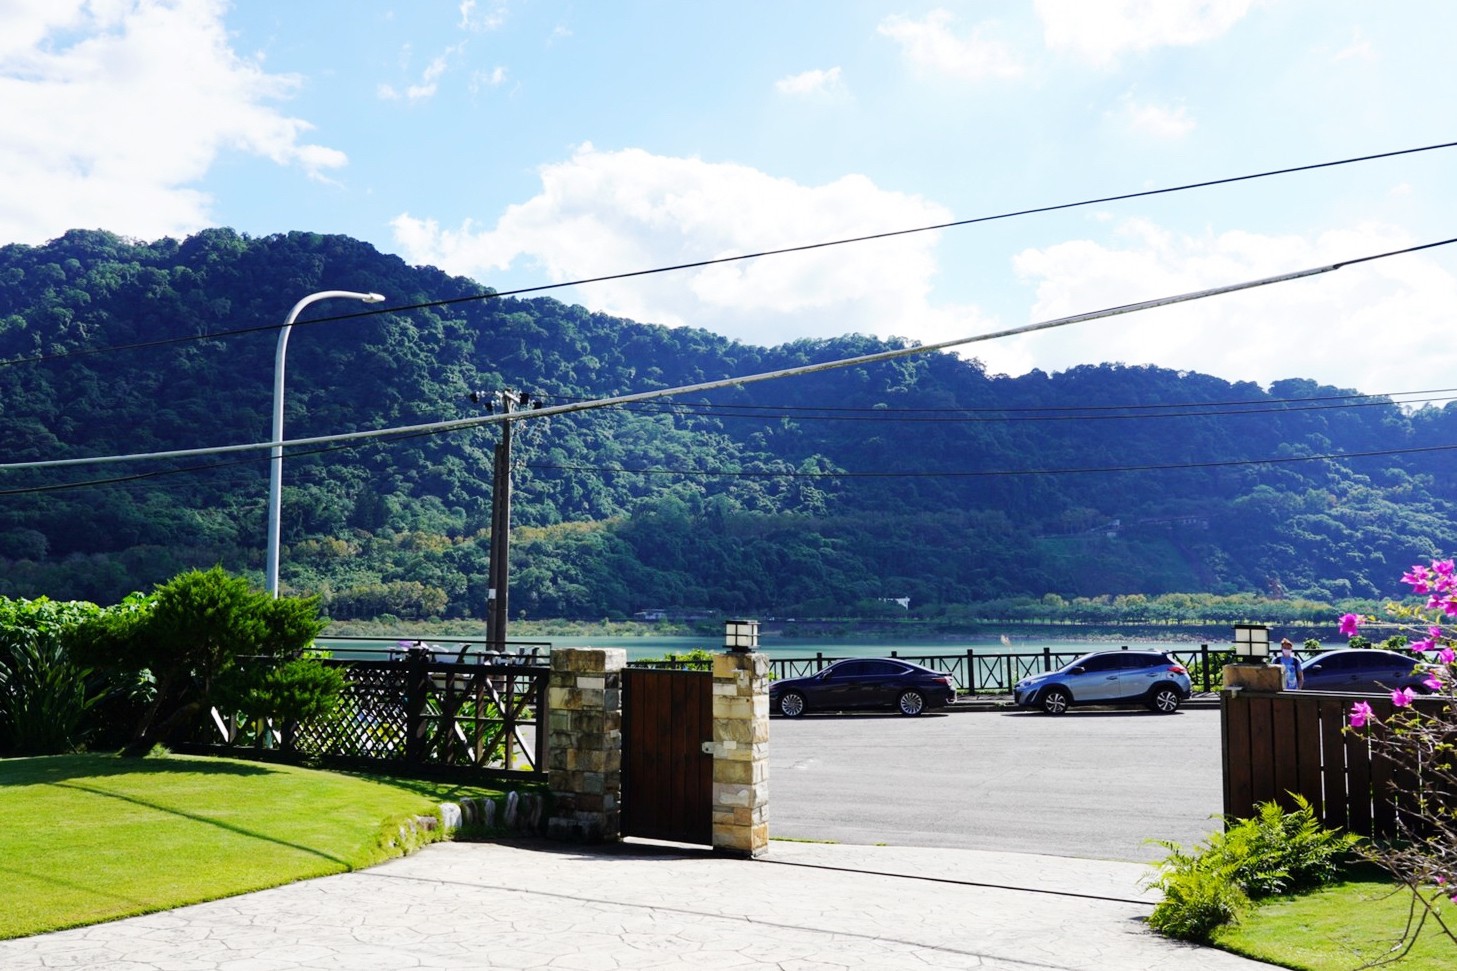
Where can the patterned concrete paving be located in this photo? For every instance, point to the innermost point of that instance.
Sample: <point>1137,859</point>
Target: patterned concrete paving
<point>806,907</point>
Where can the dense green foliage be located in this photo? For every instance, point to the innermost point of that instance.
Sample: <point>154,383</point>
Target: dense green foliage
<point>1273,853</point>
<point>206,638</point>
<point>45,696</point>
<point>818,495</point>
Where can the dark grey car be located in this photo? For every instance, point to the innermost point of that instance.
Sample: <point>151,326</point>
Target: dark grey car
<point>864,683</point>
<point>1364,670</point>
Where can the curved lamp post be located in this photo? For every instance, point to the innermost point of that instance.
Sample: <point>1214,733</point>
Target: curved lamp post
<point>275,473</point>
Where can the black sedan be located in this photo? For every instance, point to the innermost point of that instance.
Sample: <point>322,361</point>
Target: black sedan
<point>861,683</point>
<point>1365,670</point>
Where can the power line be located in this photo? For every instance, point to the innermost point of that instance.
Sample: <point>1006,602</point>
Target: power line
<point>697,264</point>
<point>912,416</point>
<point>999,473</point>
<point>1430,395</point>
<point>876,357</point>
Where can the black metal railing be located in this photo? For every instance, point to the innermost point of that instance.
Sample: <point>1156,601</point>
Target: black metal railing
<point>995,672</point>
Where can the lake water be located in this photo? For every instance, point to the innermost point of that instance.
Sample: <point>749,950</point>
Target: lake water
<point>644,647</point>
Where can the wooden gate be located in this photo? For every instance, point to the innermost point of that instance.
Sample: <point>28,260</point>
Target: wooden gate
<point>667,777</point>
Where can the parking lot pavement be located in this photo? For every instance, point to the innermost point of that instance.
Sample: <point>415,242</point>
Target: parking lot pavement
<point>539,905</point>
<point>1093,783</point>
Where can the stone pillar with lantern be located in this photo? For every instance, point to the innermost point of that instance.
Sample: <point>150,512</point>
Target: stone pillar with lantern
<point>741,743</point>
<point>1251,668</point>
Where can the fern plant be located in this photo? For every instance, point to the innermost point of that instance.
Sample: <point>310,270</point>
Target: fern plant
<point>1275,852</point>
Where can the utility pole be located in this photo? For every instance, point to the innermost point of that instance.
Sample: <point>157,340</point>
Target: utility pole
<point>499,578</point>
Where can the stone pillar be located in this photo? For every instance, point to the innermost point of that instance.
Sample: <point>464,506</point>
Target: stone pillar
<point>1256,676</point>
<point>741,753</point>
<point>584,761</point>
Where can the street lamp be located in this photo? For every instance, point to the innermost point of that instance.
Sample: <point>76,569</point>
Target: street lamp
<point>275,473</point>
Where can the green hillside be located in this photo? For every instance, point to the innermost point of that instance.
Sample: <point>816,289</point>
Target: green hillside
<point>924,478</point>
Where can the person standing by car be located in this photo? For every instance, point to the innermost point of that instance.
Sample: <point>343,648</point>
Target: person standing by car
<point>1294,676</point>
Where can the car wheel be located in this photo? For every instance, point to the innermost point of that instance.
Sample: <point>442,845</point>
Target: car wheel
<point>1055,701</point>
<point>791,704</point>
<point>1164,700</point>
<point>910,703</point>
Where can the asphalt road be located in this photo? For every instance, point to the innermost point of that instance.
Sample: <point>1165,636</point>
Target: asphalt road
<point>1094,783</point>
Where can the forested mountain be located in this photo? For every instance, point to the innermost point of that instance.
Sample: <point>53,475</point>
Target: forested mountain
<point>924,478</point>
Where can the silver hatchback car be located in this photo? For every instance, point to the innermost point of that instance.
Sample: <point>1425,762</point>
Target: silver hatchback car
<point>1149,678</point>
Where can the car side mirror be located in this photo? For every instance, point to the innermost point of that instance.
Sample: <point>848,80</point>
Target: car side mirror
<point>1079,670</point>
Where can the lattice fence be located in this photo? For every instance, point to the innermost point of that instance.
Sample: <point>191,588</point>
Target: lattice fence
<point>473,713</point>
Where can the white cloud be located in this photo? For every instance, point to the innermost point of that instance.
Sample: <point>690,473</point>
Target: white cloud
<point>1099,31</point>
<point>1356,327</point>
<point>429,83</point>
<point>809,82</point>
<point>493,78</point>
<point>479,20</point>
<point>1358,50</point>
<point>1159,121</point>
<point>112,108</point>
<point>600,213</point>
<point>931,45</point>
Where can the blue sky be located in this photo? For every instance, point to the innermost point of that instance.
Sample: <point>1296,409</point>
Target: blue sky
<point>524,142</point>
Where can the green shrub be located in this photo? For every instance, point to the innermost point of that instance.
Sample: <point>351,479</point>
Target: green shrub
<point>299,689</point>
<point>1278,852</point>
<point>46,698</point>
<point>1273,853</point>
<point>1196,903</point>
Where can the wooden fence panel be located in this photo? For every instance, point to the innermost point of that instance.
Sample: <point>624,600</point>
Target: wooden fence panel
<point>1277,743</point>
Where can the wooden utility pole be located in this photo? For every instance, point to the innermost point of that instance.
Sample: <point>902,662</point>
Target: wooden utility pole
<point>498,581</point>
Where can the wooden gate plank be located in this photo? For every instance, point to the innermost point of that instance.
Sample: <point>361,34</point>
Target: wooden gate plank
<point>1237,776</point>
<point>1307,751</point>
<point>1358,783</point>
<point>1262,751</point>
<point>667,777</point>
<point>1286,750</point>
<point>1335,813</point>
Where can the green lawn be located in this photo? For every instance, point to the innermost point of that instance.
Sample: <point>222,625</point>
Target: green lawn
<point>1340,929</point>
<point>88,838</point>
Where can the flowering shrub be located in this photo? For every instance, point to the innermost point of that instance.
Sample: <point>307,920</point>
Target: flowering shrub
<point>1425,856</point>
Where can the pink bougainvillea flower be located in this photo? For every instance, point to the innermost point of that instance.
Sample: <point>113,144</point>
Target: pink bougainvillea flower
<point>1402,697</point>
<point>1350,623</point>
<point>1421,647</point>
<point>1442,567</point>
<point>1432,682</point>
<point>1360,714</point>
<point>1446,655</point>
<point>1417,577</point>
